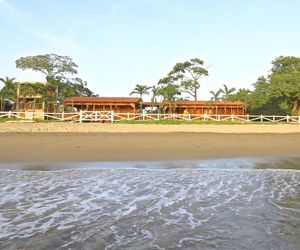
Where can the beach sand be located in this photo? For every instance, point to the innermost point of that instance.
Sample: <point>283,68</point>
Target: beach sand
<point>70,142</point>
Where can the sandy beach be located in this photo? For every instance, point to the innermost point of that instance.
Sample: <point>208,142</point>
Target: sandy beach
<point>66,142</point>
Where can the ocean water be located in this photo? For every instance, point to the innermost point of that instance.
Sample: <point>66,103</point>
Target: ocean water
<point>215,204</point>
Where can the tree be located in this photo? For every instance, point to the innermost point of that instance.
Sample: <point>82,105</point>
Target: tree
<point>189,73</point>
<point>168,90</point>
<point>52,65</point>
<point>155,94</point>
<point>285,82</point>
<point>215,95</point>
<point>226,92</point>
<point>140,90</point>
<point>58,70</point>
<point>9,90</point>
<point>261,100</point>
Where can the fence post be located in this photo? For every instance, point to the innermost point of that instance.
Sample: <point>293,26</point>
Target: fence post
<point>261,118</point>
<point>190,117</point>
<point>127,116</point>
<point>143,116</point>
<point>219,118</point>
<point>43,115</point>
<point>9,114</point>
<point>63,116</point>
<point>274,119</point>
<point>159,117</point>
<point>80,116</point>
<point>248,118</point>
<point>112,116</point>
<point>232,117</point>
<point>299,119</point>
<point>287,118</point>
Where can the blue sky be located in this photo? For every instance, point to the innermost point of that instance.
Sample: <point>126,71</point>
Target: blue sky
<point>120,43</point>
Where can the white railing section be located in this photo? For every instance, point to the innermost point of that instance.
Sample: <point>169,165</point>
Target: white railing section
<point>111,116</point>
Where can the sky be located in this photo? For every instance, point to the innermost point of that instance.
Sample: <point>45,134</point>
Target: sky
<point>120,43</point>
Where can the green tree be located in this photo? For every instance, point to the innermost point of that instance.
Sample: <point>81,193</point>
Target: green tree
<point>9,90</point>
<point>58,71</point>
<point>169,91</point>
<point>262,101</point>
<point>215,95</point>
<point>285,82</point>
<point>227,92</point>
<point>52,65</point>
<point>140,90</point>
<point>189,73</point>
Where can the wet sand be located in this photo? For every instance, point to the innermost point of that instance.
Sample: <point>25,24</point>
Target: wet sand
<point>136,146</point>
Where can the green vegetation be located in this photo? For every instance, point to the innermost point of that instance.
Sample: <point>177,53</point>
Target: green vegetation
<point>57,70</point>
<point>140,90</point>
<point>278,94</point>
<point>175,122</point>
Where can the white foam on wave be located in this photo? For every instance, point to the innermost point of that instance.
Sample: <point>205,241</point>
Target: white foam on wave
<point>140,205</point>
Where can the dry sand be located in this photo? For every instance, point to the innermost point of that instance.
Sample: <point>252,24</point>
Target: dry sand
<point>70,142</point>
<point>145,128</point>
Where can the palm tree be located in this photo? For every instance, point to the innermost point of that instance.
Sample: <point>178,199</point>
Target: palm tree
<point>140,90</point>
<point>215,95</point>
<point>227,92</point>
<point>155,94</point>
<point>8,91</point>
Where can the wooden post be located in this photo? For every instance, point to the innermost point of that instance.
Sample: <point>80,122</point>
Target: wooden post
<point>159,117</point>
<point>261,118</point>
<point>287,118</point>
<point>112,116</point>
<point>274,118</point>
<point>232,117</point>
<point>63,116</point>
<point>43,115</point>
<point>299,119</point>
<point>128,116</point>
<point>80,116</point>
<point>248,118</point>
<point>219,118</point>
<point>190,117</point>
<point>9,114</point>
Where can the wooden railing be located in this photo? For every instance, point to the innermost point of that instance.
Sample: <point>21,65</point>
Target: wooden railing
<point>111,116</point>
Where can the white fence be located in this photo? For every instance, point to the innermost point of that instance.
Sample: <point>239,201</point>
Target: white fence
<point>110,116</point>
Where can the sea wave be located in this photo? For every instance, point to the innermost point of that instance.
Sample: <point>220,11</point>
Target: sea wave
<point>150,209</point>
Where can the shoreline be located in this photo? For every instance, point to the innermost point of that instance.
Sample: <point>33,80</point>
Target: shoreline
<point>39,147</point>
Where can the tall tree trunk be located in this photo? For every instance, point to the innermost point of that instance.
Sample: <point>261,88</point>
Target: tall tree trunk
<point>296,108</point>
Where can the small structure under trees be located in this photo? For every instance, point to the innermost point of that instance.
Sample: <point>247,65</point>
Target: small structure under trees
<point>116,104</point>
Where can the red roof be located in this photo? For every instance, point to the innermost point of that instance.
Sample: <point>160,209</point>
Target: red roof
<point>90,99</point>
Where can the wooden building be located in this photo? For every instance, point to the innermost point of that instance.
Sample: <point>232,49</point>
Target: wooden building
<point>201,107</point>
<point>117,104</point>
<point>31,97</point>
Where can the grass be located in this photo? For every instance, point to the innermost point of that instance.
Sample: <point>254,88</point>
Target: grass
<point>178,122</point>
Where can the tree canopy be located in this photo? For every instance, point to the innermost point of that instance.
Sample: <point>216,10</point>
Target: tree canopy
<point>189,73</point>
<point>9,91</point>
<point>279,93</point>
<point>285,82</point>
<point>140,90</point>
<point>58,71</point>
<point>52,65</point>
